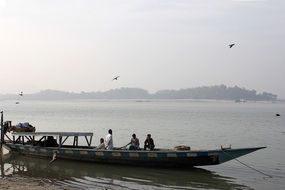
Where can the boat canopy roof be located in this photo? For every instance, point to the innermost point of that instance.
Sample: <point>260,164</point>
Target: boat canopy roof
<point>61,134</point>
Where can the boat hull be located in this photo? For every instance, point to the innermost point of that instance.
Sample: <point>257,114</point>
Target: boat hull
<point>159,158</point>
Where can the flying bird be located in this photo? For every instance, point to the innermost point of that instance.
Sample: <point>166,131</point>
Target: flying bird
<point>231,45</point>
<point>116,78</point>
<point>21,94</point>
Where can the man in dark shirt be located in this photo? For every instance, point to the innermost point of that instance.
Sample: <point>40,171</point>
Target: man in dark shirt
<point>148,143</point>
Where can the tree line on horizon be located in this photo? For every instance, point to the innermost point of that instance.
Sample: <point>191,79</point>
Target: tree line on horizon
<point>218,92</point>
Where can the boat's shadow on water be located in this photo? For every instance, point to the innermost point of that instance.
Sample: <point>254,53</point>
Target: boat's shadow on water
<point>97,176</point>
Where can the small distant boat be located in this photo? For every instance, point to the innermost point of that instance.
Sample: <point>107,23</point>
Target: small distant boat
<point>240,101</point>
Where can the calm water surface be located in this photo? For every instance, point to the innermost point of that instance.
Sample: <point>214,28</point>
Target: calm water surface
<point>199,124</point>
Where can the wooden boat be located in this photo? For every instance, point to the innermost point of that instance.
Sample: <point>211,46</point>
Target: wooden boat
<point>35,144</point>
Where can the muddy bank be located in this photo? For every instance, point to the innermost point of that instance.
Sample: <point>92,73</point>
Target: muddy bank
<point>17,183</point>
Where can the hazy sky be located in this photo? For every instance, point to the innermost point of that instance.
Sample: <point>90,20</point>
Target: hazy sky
<point>152,44</point>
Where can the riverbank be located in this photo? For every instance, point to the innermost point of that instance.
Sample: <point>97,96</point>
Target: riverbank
<point>17,183</point>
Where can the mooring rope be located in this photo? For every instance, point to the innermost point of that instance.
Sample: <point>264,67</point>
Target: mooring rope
<point>53,158</point>
<point>247,165</point>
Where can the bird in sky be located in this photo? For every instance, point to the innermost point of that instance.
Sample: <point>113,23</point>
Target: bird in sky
<point>116,78</point>
<point>231,45</point>
<point>21,94</point>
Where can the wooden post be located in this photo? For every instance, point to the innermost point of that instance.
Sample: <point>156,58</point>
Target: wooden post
<point>2,166</point>
<point>1,150</point>
<point>60,141</point>
<point>2,132</point>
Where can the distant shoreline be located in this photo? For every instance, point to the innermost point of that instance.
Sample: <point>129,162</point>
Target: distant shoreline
<point>143,100</point>
<point>219,92</point>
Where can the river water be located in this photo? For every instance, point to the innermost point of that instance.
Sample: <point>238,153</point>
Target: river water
<point>199,124</point>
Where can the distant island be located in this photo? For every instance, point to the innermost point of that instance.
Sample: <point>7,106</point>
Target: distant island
<point>218,92</point>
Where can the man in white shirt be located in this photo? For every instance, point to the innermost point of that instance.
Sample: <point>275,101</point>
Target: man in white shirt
<point>109,141</point>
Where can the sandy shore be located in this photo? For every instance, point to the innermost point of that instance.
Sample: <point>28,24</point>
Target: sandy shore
<point>17,183</point>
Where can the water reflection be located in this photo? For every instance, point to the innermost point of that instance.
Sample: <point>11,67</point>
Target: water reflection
<point>96,176</point>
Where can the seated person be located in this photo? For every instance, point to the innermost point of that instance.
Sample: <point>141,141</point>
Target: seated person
<point>134,144</point>
<point>50,142</point>
<point>101,146</point>
<point>148,143</point>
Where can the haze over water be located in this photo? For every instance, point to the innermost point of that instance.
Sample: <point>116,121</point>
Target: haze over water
<point>78,46</point>
<point>199,124</point>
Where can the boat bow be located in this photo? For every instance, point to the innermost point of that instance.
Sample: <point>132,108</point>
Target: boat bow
<point>230,154</point>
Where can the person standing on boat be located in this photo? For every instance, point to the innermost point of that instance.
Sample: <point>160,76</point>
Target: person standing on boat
<point>109,140</point>
<point>134,144</point>
<point>148,143</point>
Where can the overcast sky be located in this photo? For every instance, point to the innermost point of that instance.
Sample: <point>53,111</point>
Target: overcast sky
<point>152,44</point>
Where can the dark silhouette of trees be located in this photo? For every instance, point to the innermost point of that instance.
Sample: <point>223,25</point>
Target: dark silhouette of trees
<point>221,92</point>
<point>218,92</point>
